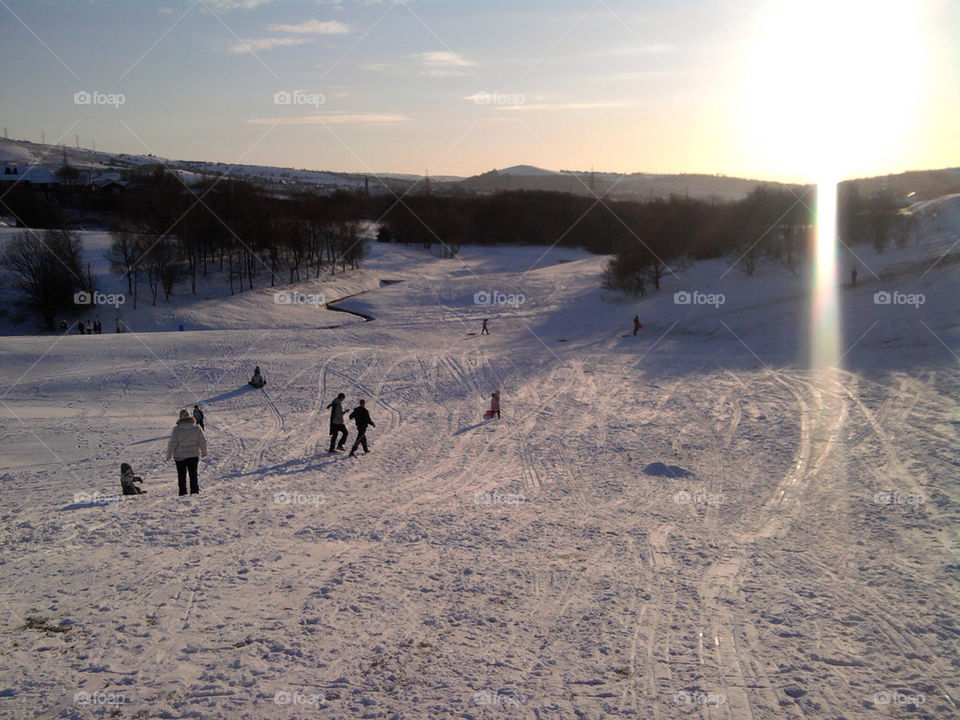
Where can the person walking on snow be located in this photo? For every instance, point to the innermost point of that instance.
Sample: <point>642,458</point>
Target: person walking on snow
<point>257,380</point>
<point>198,416</point>
<point>636,324</point>
<point>361,416</point>
<point>187,443</point>
<point>336,423</point>
<point>495,404</point>
<point>483,330</point>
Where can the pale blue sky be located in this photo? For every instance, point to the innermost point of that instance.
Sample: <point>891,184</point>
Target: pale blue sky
<point>445,86</point>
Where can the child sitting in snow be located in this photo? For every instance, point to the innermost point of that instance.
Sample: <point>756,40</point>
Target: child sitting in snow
<point>127,480</point>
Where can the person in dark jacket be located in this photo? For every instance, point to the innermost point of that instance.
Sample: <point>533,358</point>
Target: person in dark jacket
<point>198,416</point>
<point>257,380</point>
<point>337,425</point>
<point>127,480</point>
<point>361,416</point>
<point>636,324</point>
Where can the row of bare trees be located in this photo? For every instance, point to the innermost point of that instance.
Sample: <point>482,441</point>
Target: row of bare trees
<point>171,233</point>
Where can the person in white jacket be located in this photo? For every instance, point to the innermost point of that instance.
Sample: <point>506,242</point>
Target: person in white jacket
<point>187,443</point>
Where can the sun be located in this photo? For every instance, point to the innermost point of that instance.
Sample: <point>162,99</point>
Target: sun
<point>832,86</point>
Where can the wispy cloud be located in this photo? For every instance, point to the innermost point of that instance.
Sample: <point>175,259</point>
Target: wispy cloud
<point>267,43</point>
<point>312,27</point>
<point>443,59</point>
<point>570,106</point>
<point>227,5</point>
<point>335,119</point>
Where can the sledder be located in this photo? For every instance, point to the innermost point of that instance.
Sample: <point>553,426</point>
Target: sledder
<point>494,407</point>
<point>257,380</point>
<point>127,480</point>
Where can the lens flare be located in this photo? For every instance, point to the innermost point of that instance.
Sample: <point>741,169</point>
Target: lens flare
<point>825,328</point>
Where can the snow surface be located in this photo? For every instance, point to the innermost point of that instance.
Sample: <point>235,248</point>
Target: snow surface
<point>685,523</point>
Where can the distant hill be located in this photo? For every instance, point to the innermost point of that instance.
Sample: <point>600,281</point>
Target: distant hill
<point>94,165</point>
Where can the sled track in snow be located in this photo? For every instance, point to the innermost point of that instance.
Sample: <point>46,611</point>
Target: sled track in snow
<point>276,427</point>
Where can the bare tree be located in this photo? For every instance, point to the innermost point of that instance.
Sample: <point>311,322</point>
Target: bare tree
<point>46,269</point>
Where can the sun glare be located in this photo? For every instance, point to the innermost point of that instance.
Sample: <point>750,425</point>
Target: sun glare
<point>831,86</point>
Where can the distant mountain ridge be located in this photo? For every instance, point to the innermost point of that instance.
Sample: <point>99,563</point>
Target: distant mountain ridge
<point>917,185</point>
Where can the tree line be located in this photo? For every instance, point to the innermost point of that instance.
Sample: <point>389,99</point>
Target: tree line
<point>169,237</point>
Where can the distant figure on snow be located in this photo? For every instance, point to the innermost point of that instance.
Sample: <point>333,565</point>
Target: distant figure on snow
<point>484,330</point>
<point>127,480</point>
<point>63,325</point>
<point>361,416</point>
<point>118,324</point>
<point>494,404</point>
<point>257,380</point>
<point>853,276</point>
<point>80,328</point>
<point>187,443</point>
<point>336,423</point>
<point>198,416</point>
<point>636,324</point>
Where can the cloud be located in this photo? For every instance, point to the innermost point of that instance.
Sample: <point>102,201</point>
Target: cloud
<point>267,43</point>
<point>570,106</point>
<point>227,5</point>
<point>443,59</point>
<point>334,119</point>
<point>312,27</point>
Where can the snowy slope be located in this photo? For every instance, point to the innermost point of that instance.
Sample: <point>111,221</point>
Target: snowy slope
<point>686,523</point>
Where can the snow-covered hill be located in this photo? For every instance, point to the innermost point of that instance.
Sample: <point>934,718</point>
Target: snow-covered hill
<point>686,522</point>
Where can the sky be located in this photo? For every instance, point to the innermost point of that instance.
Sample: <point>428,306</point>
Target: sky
<point>773,89</point>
